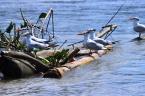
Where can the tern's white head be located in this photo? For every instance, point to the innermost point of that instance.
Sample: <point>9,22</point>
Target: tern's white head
<point>87,31</point>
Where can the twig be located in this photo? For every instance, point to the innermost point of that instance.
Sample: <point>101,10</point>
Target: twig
<point>52,25</point>
<point>115,14</point>
<point>62,44</point>
<point>112,19</point>
<point>48,23</point>
<point>108,34</point>
<point>24,19</point>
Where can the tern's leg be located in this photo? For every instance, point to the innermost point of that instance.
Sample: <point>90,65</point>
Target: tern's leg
<point>139,35</point>
<point>90,52</point>
<point>139,38</point>
<point>99,54</point>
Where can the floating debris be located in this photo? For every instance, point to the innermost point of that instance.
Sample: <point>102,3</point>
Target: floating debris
<point>27,51</point>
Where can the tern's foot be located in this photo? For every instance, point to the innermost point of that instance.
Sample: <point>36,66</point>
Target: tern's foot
<point>137,39</point>
<point>99,52</point>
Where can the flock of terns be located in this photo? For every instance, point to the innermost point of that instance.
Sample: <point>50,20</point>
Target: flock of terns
<point>90,40</point>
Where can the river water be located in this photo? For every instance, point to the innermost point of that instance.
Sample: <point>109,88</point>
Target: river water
<point>119,73</point>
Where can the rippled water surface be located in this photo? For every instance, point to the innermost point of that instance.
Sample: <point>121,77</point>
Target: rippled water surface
<point>119,73</point>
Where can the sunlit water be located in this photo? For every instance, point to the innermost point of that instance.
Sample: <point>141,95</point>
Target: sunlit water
<point>120,73</point>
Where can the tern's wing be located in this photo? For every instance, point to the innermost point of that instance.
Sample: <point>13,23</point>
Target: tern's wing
<point>38,39</point>
<point>93,46</point>
<point>38,45</point>
<point>102,42</point>
<point>140,28</point>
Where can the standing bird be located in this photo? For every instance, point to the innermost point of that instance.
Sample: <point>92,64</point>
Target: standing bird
<point>99,40</point>
<point>29,41</point>
<point>90,44</point>
<point>140,28</point>
<point>39,40</point>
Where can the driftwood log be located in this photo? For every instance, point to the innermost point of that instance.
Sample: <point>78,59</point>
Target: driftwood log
<point>13,68</point>
<point>46,53</point>
<point>60,71</point>
<point>18,64</point>
<point>54,73</point>
<point>71,56</point>
<point>40,67</point>
<point>106,30</point>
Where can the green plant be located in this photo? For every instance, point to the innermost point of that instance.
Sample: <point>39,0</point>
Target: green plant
<point>57,58</point>
<point>10,39</point>
<point>45,61</point>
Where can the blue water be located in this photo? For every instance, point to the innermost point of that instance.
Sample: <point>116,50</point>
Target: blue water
<point>119,73</point>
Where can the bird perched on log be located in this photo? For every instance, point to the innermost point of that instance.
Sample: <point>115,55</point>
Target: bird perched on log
<point>40,40</point>
<point>140,28</point>
<point>89,43</point>
<point>99,40</point>
<point>33,42</point>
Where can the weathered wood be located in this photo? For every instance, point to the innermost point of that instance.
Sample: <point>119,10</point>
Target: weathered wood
<point>84,52</point>
<point>13,68</point>
<point>106,30</point>
<point>60,71</point>
<point>70,56</point>
<point>46,53</point>
<point>40,67</point>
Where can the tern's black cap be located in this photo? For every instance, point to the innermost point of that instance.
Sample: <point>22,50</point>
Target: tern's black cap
<point>87,31</point>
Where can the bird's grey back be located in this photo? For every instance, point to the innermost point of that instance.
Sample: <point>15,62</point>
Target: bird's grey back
<point>93,46</point>
<point>139,29</point>
<point>102,42</point>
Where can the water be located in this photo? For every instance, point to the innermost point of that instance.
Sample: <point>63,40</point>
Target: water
<point>120,73</point>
